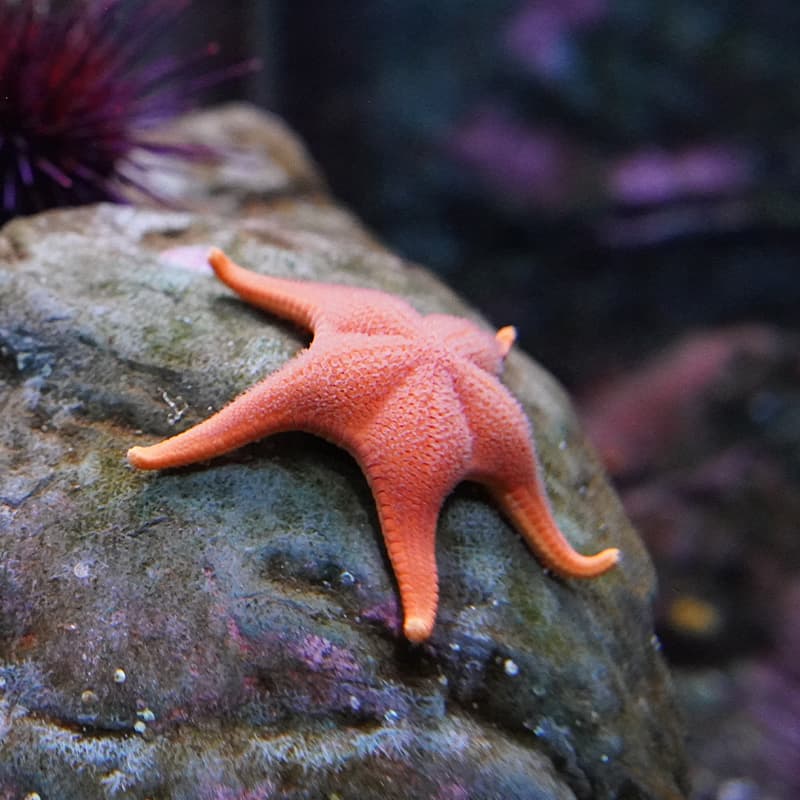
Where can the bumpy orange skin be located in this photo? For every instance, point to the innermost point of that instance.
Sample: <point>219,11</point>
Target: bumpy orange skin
<point>416,400</point>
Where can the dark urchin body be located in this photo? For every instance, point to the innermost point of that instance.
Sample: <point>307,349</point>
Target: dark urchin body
<point>77,100</point>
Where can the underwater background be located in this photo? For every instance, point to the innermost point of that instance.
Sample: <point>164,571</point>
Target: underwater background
<point>620,180</point>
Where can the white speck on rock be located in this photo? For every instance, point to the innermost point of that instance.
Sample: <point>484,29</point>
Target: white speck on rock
<point>346,578</point>
<point>510,668</point>
<point>82,570</point>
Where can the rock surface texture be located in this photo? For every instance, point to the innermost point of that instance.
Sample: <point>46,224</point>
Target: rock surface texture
<point>232,630</point>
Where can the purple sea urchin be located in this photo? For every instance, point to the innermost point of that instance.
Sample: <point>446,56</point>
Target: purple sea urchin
<point>77,99</point>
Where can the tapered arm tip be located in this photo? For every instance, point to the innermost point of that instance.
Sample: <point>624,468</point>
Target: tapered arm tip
<point>136,457</point>
<point>417,629</point>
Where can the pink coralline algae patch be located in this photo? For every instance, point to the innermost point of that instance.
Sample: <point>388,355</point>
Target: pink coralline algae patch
<point>453,791</point>
<point>264,791</point>
<point>631,420</point>
<point>236,636</point>
<point>533,165</point>
<point>386,614</point>
<point>538,33</point>
<point>321,655</point>
<point>192,257</point>
<point>654,176</point>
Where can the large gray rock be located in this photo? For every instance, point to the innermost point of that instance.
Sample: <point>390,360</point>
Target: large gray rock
<point>231,630</point>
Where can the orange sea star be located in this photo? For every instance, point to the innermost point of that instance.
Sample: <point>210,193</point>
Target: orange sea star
<point>416,400</point>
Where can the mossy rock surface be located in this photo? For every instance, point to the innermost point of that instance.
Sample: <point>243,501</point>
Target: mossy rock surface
<point>231,630</point>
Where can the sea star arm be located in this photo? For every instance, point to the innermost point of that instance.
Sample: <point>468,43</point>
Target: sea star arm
<point>409,531</point>
<point>288,299</point>
<point>315,392</point>
<point>476,344</point>
<point>273,405</point>
<point>312,305</point>
<point>505,339</point>
<point>417,450</point>
<point>415,400</point>
<point>505,461</point>
<point>527,507</point>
